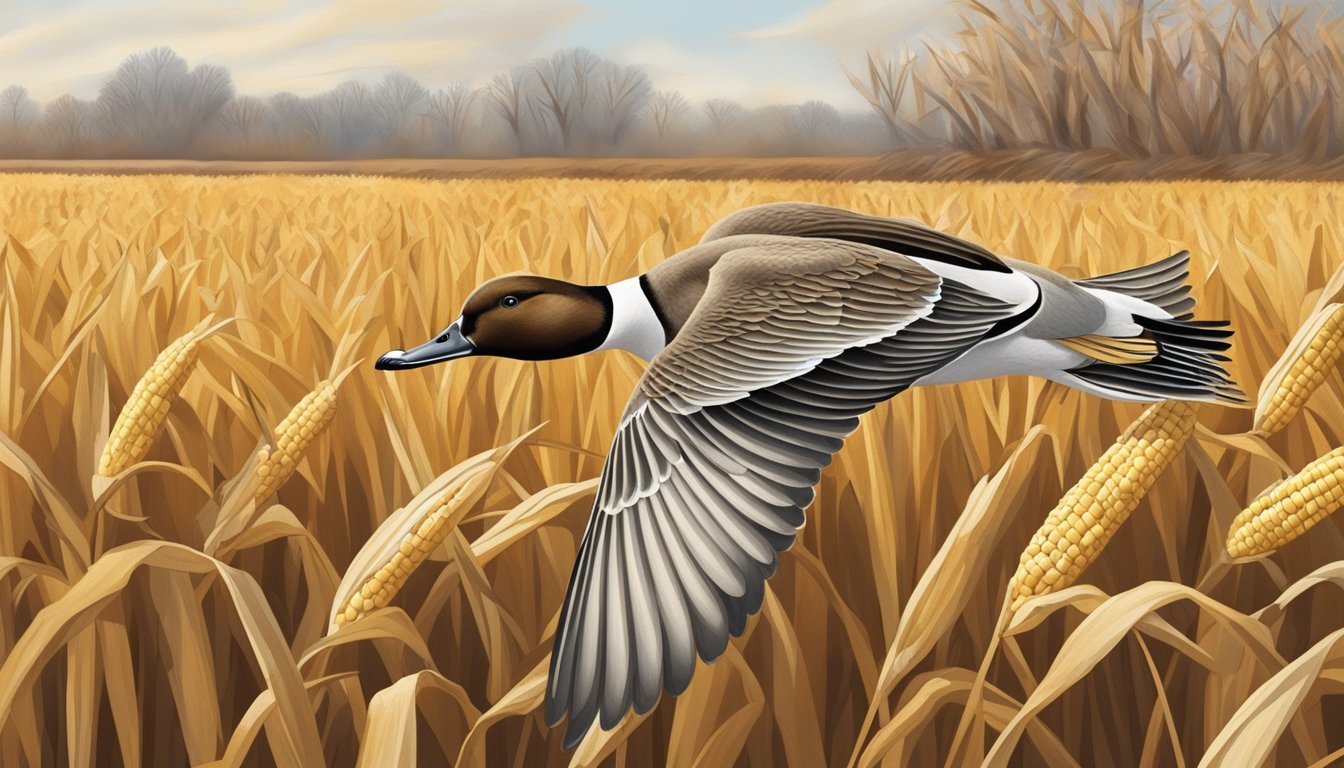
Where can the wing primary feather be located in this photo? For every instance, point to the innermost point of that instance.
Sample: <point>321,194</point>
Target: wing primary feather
<point>678,636</point>
<point>734,536</point>
<point>708,551</point>
<point>644,609</point>
<point>708,621</point>
<point>617,656</point>
<point>561,674</point>
<point>586,682</point>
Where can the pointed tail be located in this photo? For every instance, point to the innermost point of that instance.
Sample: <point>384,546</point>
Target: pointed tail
<point>1188,364</point>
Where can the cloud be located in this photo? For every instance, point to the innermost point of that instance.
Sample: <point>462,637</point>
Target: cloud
<point>276,45</point>
<point>752,73</point>
<point>847,25</point>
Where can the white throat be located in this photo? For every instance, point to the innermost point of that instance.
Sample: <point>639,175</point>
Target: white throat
<point>634,324</point>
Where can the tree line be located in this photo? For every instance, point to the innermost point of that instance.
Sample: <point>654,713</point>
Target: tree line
<point>573,102</point>
<point>1179,77</point>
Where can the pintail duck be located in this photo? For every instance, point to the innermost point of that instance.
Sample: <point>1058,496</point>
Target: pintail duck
<point>766,342</point>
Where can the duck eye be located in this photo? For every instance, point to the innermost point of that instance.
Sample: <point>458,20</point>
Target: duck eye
<point>508,302</point>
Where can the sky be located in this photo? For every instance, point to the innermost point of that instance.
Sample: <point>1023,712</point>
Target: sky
<point>755,51</point>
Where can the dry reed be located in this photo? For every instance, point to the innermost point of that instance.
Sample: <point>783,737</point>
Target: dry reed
<point>1147,79</point>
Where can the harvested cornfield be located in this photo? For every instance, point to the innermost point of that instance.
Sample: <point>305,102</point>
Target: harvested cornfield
<point>287,557</point>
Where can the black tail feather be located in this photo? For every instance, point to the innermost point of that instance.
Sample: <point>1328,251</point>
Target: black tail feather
<point>1187,366</point>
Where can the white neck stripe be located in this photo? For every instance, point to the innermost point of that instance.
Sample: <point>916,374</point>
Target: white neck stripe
<point>634,325</point>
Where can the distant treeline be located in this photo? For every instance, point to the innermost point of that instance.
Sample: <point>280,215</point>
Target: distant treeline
<point>1146,79</point>
<point>572,103</point>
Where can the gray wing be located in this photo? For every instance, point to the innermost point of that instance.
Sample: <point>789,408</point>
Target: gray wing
<point>903,236</point>
<point>707,480</point>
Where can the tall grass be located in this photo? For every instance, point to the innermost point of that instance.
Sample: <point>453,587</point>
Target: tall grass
<point>171,614</point>
<point>1142,77</point>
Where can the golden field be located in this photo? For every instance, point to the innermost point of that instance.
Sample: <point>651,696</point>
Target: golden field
<point>177,612</point>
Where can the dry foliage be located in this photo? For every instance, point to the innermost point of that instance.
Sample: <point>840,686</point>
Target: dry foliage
<point>1142,77</point>
<point>180,612</point>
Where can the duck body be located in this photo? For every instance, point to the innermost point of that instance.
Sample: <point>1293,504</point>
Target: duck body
<point>766,343</point>
<point>1044,307</point>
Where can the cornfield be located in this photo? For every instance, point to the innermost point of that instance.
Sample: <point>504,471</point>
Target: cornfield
<point>229,574</point>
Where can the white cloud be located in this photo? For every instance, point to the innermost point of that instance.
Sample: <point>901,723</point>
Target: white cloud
<point>846,25</point>
<point>753,73</point>
<point>276,45</point>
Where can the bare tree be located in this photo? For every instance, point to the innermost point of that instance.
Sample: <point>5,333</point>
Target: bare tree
<point>507,92</point>
<point>666,109</point>
<point>801,128</point>
<point>351,106</point>
<point>69,126</point>
<point>449,110</point>
<point>723,114</point>
<point>297,122</point>
<point>18,113</point>
<point>17,107</point>
<point>310,119</point>
<point>241,118</point>
<point>200,98</point>
<point>574,102</point>
<point>398,100</point>
<point>153,104</point>
<point>623,92</point>
<point>284,112</point>
<point>564,81</point>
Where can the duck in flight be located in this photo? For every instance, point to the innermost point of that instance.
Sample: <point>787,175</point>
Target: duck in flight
<point>766,342</point>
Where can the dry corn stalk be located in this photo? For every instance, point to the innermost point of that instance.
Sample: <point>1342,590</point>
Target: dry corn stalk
<point>145,411</point>
<point>1288,509</point>
<point>1078,528</point>
<point>1310,357</point>
<point>308,419</point>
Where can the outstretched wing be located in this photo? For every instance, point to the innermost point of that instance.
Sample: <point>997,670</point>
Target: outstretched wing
<point>904,236</point>
<point>719,451</point>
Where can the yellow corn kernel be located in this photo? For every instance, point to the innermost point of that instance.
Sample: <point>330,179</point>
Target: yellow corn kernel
<point>147,408</point>
<point>1090,513</point>
<point>308,419</point>
<point>1310,357</point>
<point>1290,508</point>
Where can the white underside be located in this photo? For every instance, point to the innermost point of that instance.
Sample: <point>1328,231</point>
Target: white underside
<point>1017,354</point>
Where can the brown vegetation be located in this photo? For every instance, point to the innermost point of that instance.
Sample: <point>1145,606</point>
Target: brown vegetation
<point>897,165</point>
<point>1145,78</point>
<point>171,614</point>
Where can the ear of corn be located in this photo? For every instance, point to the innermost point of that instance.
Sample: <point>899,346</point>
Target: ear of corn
<point>1086,518</point>
<point>1290,508</point>
<point>379,589</point>
<point>308,419</point>
<point>146,409</point>
<point>1310,357</point>
<point>405,539</point>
